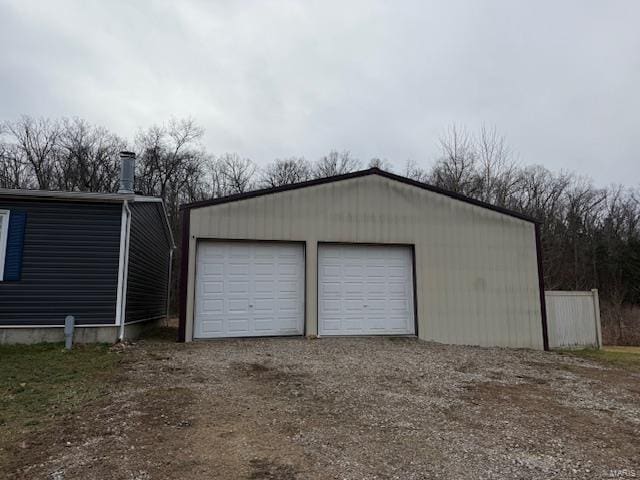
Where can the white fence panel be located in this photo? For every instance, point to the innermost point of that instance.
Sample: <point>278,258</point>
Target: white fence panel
<point>573,319</point>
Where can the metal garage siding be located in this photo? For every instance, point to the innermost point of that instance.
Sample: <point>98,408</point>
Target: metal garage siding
<point>69,264</point>
<point>148,274</point>
<point>476,269</point>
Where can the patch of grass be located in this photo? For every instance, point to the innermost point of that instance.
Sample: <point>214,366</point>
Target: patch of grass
<point>626,349</point>
<point>629,359</point>
<point>41,382</point>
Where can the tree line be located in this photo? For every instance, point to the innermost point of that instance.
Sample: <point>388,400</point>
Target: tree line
<point>590,233</point>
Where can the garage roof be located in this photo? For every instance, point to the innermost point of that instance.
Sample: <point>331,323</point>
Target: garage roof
<point>360,173</point>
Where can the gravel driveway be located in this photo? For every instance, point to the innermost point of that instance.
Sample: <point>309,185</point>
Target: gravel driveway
<point>356,408</point>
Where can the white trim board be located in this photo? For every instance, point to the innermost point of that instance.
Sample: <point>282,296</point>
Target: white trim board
<point>5,216</point>
<point>85,196</point>
<point>121,266</point>
<point>150,319</point>
<point>91,325</point>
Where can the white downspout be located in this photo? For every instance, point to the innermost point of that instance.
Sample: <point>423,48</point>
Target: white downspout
<point>127,172</point>
<point>121,264</point>
<point>122,291</point>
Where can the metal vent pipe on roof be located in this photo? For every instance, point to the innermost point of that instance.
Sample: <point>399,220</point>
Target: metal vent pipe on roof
<point>127,171</point>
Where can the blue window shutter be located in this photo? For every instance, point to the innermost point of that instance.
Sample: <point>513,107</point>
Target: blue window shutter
<point>15,244</point>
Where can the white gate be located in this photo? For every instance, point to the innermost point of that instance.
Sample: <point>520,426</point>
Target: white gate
<point>573,319</point>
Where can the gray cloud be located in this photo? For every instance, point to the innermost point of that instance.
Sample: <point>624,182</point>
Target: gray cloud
<point>273,79</point>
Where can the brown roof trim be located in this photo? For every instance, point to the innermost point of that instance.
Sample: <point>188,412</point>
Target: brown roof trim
<point>543,301</point>
<point>184,275</point>
<point>359,173</point>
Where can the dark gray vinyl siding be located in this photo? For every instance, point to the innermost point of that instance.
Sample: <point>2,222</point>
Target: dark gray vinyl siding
<point>69,264</point>
<point>148,274</point>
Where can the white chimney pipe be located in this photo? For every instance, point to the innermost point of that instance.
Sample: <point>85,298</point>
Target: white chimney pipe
<point>127,170</point>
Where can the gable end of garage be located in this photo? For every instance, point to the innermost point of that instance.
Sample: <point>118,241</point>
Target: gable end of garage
<point>351,175</point>
<point>189,235</point>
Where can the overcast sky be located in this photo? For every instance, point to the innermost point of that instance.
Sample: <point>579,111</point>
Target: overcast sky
<point>560,79</point>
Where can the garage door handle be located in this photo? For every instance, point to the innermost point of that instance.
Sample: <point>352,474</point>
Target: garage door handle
<point>250,306</point>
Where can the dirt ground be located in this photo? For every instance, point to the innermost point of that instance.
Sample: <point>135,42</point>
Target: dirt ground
<point>347,408</point>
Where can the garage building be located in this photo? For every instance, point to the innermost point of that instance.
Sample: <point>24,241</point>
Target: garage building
<point>365,253</point>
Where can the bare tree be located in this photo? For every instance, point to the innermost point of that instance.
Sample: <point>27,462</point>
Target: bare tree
<point>498,178</point>
<point>335,163</point>
<point>582,202</point>
<point>456,167</point>
<point>381,163</point>
<point>166,154</point>
<point>88,157</point>
<point>285,171</point>
<point>35,144</point>
<point>14,171</point>
<point>231,174</point>
<point>413,171</point>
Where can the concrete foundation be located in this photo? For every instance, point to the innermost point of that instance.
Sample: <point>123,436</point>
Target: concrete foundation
<point>106,334</point>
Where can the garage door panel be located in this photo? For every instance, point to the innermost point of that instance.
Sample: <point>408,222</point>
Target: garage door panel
<point>264,324</point>
<point>397,289</point>
<point>288,324</point>
<point>237,305</point>
<point>331,325</point>
<point>330,271</point>
<point>377,271</point>
<point>330,289</point>
<point>288,288</point>
<point>352,305</point>
<point>376,304</point>
<point>288,269</point>
<point>331,305</point>
<point>261,305</point>
<point>212,326</point>
<point>237,269</point>
<point>365,290</point>
<point>267,252</point>
<point>353,288</point>
<point>237,326</point>
<point>353,271</point>
<point>237,287</point>
<point>265,269</point>
<point>212,306</point>
<point>396,272</point>
<point>212,286</point>
<point>238,250</point>
<point>288,305</point>
<point>353,324</point>
<point>249,289</point>
<point>213,268</point>
<point>265,287</point>
<point>377,289</point>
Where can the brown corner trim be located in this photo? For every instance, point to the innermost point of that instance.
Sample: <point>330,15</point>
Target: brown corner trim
<point>543,303</point>
<point>184,274</point>
<point>360,173</point>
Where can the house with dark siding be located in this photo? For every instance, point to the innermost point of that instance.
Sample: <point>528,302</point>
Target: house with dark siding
<point>104,258</point>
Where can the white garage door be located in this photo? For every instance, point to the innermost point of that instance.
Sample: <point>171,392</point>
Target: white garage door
<point>249,289</point>
<point>365,290</point>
